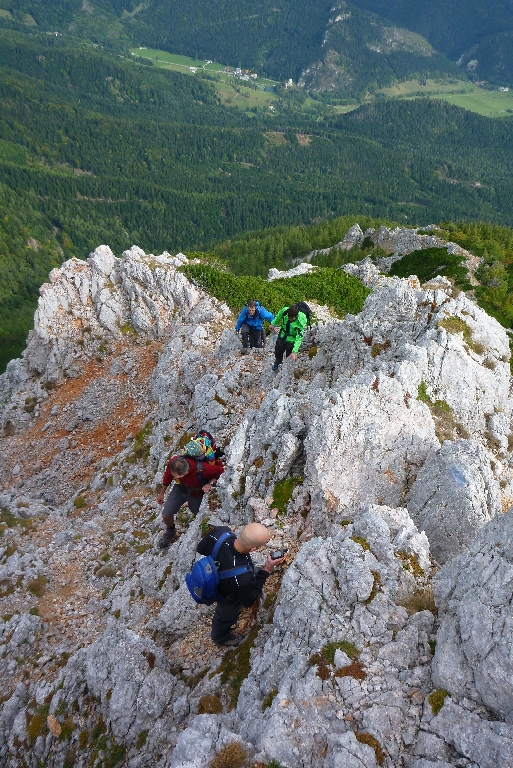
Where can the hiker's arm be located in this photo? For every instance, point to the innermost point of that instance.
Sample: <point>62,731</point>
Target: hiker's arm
<point>266,315</point>
<point>275,323</point>
<point>251,591</point>
<point>240,320</point>
<point>211,475</point>
<point>160,497</point>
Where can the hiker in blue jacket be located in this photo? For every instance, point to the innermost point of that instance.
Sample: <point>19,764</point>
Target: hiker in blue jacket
<point>250,325</point>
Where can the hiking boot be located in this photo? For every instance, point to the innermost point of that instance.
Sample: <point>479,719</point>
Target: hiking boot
<point>275,367</point>
<point>167,538</point>
<point>231,641</point>
<point>244,351</point>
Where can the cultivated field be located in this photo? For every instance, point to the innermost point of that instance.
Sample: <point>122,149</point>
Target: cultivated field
<point>459,92</point>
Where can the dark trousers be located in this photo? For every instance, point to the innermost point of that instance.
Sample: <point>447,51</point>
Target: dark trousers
<point>176,499</point>
<point>226,614</point>
<point>254,337</point>
<point>281,348</point>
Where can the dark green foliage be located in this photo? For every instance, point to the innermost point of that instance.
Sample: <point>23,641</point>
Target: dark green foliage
<point>482,30</point>
<point>495,245</point>
<point>253,253</point>
<point>327,286</point>
<point>430,262</point>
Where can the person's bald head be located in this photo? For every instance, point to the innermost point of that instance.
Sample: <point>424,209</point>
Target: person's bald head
<point>253,536</point>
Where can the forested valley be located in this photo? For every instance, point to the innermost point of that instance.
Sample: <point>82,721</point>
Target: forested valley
<point>96,148</point>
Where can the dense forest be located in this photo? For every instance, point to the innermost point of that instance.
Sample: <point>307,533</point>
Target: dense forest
<point>466,31</point>
<point>97,148</point>
<point>283,38</point>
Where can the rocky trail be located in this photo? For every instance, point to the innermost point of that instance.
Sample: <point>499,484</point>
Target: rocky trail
<point>382,459</point>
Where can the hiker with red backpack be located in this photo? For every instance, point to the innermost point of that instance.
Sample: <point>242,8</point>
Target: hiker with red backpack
<point>289,324</point>
<point>237,583</point>
<point>250,325</point>
<point>195,472</point>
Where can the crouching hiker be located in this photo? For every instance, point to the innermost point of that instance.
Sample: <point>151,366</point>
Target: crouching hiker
<point>250,325</point>
<point>289,324</point>
<point>192,479</point>
<point>239,589</point>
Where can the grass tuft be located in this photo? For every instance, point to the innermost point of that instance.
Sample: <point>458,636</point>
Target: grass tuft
<point>209,705</point>
<point>267,702</point>
<point>367,738</point>
<point>421,600</point>
<point>232,755</point>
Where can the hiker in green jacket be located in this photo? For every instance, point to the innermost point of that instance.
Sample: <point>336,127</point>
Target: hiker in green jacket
<point>290,325</point>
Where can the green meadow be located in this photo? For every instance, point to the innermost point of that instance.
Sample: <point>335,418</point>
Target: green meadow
<point>461,93</point>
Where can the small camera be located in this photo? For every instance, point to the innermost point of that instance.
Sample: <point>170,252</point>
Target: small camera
<point>278,554</point>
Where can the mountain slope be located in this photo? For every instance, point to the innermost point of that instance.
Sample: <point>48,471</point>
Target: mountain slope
<point>470,31</point>
<point>347,456</point>
<point>374,42</point>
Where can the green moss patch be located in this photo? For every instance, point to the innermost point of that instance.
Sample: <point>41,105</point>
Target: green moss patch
<point>10,520</point>
<point>362,542</point>
<point>141,739</point>
<point>437,700</point>
<point>235,666</point>
<point>282,492</point>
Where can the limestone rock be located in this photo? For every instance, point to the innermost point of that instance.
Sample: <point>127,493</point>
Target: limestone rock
<point>454,495</point>
<point>474,593</point>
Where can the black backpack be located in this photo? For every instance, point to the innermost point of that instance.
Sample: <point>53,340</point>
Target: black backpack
<point>305,309</point>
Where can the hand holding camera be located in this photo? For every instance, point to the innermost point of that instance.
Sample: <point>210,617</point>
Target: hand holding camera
<point>275,558</point>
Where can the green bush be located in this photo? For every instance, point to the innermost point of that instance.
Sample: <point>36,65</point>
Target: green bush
<point>343,292</point>
<point>430,262</point>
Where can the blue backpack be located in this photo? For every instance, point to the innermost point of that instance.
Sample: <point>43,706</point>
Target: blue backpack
<point>203,581</point>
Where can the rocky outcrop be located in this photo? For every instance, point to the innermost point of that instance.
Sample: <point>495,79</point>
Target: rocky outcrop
<point>474,593</point>
<point>382,411</point>
<point>453,496</point>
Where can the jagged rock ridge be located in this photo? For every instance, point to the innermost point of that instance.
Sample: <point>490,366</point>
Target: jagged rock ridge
<point>387,420</point>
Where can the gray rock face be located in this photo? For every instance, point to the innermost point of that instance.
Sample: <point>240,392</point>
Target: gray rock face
<point>129,676</point>
<point>454,495</point>
<point>474,593</point>
<point>84,308</point>
<point>487,744</point>
<point>325,453</point>
<point>330,594</point>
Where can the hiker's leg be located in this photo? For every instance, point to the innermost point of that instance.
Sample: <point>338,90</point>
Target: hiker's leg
<point>225,616</point>
<point>174,501</point>
<point>254,337</point>
<point>194,504</point>
<point>244,332</point>
<point>288,348</point>
<point>279,351</point>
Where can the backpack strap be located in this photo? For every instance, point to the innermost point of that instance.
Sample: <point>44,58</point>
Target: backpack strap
<point>230,572</point>
<point>199,470</point>
<point>219,543</point>
<point>235,571</point>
